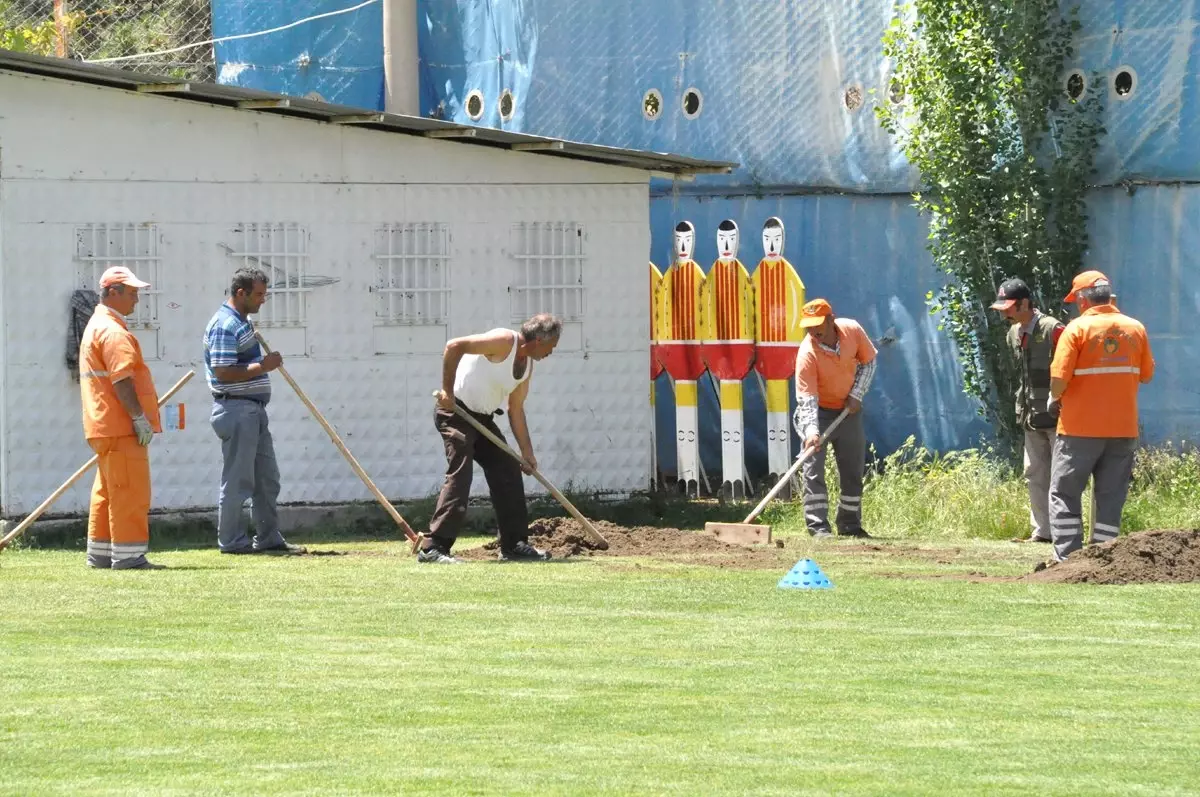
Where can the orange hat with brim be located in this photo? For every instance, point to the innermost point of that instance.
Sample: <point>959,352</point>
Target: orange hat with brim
<point>1088,279</point>
<point>813,314</point>
<point>120,275</point>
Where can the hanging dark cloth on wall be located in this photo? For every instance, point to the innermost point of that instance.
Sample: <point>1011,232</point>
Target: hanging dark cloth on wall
<point>83,304</point>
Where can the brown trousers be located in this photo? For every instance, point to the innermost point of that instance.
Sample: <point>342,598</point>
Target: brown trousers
<point>464,446</point>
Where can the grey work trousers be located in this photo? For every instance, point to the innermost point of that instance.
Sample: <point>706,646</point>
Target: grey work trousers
<point>248,470</point>
<point>849,444</point>
<point>1039,455</point>
<point>1109,462</point>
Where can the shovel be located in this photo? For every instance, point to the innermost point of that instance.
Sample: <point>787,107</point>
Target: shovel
<point>747,532</point>
<point>414,539</point>
<point>597,538</point>
<point>77,475</point>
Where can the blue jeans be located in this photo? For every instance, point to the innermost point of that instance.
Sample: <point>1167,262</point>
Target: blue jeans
<point>249,471</point>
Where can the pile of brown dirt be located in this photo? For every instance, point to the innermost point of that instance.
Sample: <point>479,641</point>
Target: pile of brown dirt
<point>566,538</point>
<point>1143,558</point>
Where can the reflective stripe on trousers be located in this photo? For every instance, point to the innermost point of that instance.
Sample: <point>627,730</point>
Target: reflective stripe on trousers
<point>1108,461</point>
<point>119,514</point>
<point>849,445</point>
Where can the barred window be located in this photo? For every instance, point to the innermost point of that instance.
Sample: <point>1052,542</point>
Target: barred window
<point>412,268</point>
<point>280,249</point>
<point>548,265</point>
<point>99,247</point>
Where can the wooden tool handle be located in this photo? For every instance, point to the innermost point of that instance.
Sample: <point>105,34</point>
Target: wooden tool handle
<point>562,499</point>
<point>795,466</point>
<point>412,536</point>
<point>54,496</point>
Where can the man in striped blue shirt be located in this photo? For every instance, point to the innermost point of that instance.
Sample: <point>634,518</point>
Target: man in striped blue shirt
<point>237,375</point>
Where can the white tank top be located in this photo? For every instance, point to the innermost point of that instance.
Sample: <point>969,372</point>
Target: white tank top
<point>484,385</point>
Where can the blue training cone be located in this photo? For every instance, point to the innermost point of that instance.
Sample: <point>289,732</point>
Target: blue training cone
<point>805,575</point>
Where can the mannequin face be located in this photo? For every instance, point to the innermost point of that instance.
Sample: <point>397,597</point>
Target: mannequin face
<point>772,238</point>
<point>685,241</point>
<point>727,242</point>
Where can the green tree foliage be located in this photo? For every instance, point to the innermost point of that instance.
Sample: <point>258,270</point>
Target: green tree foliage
<point>94,29</point>
<point>41,37</point>
<point>981,108</point>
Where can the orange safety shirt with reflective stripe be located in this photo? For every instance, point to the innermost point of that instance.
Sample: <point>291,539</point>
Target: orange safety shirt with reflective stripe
<point>828,375</point>
<point>1104,355</point>
<point>108,353</point>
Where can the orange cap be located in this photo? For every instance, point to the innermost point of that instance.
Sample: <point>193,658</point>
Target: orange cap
<point>120,275</point>
<point>1088,279</point>
<point>813,314</point>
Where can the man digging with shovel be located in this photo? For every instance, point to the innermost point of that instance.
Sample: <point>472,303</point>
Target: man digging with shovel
<point>480,373</point>
<point>833,372</point>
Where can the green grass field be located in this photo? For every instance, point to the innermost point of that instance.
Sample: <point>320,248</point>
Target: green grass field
<point>369,674</point>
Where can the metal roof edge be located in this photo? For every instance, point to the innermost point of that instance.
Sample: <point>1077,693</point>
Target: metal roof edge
<point>659,164</point>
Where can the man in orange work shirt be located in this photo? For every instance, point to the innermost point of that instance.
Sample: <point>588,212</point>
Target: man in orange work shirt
<point>120,416</point>
<point>1101,359</point>
<point>834,369</point>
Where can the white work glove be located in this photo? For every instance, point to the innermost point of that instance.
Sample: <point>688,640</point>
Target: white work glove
<point>141,428</point>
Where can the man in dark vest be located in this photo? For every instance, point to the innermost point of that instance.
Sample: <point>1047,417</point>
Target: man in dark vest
<point>1032,338</point>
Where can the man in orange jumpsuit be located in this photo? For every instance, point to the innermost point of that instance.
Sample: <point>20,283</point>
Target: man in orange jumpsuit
<point>1101,359</point>
<point>120,416</point>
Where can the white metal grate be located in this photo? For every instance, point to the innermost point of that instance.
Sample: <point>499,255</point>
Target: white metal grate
<point>99,247</point>
<point>412,265</point>
<point>548,270</point>
<point>280,249</point>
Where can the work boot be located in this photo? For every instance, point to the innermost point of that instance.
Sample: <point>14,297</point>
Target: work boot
<point>1032,538</point>
<point>523,552</point>
<point>859,533</point>
<point>283,549</point>
<point>823,534</point>
<point>436,556</point>
<point>140,563</point>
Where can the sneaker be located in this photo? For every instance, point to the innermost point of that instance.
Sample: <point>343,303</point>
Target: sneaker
<point>523,552</point>
<point>238,551</point>
<point>859,533</point>
<point>436,556</point>
<point>823,534</point>
<point>283,549</point>
<point>1032,538</point>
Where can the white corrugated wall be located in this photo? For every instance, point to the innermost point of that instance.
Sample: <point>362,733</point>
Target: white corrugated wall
<point>73,157</point>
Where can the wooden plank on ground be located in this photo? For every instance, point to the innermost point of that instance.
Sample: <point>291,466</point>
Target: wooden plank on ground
<point>740,533</point>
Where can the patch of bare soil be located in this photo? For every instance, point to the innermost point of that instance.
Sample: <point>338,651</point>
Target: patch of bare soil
<point>975,577</point>
<point>943,556</point>
<point>1170,556</point>
<point>565,538</point>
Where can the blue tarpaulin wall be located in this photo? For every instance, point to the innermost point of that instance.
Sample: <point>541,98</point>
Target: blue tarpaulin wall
<point>774,78</point>
<point>338,58</point>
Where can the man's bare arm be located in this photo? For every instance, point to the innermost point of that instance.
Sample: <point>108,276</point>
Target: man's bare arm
<point>128,397</point>
<point>517,421</point>
<point>233,374</point>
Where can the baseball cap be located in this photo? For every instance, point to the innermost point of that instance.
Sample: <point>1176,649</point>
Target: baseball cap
<point>1088,279</point>
<point>119,275</point>
<point>1011,291</point>
<point>813,314</point>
